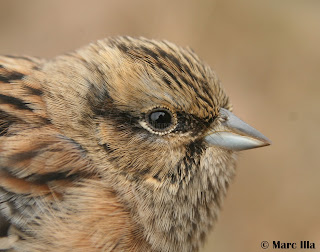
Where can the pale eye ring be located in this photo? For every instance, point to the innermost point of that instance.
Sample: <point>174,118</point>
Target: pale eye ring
<point>160,120</point>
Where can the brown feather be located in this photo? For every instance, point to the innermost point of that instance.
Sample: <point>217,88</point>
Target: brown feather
<point>81,170</point>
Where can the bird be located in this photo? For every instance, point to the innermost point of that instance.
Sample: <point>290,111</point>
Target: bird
<point>127,144</point>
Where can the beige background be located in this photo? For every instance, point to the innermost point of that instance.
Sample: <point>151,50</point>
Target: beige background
<point>267,55</point>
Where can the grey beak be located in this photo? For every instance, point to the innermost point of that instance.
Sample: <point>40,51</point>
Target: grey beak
<point>235,134</point>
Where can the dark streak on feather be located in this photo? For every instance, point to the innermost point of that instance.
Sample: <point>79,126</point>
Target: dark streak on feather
<point>14,101</point>
<point>167,71</point>
<point>123,48</point>
<point>156,176</point>
<point>36,68</point>
<point>5,121</point>
<point>185,166</point>
<point>145,171</point>
<point>53,176</point>
<point>34,91</point>
<point>19,57</point>
<point>107,148</point>
<point>12,76</point>
<point>25,155</point>
<point>166,80</point>
<point>173,179</point>
<point>97,98</point>
<point>4,226</point>
<point>22,156</point>
<point>150,52</point>
<point>171,57</point>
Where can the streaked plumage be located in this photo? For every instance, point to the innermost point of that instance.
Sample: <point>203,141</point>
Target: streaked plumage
<point>106,148</point>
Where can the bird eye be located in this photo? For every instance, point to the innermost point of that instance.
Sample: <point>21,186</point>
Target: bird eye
<point>160,119</point>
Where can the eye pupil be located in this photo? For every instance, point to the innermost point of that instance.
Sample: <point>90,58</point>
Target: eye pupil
<point>160,119</point>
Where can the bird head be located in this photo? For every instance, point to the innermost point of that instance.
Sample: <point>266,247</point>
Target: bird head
<point>146,109</point>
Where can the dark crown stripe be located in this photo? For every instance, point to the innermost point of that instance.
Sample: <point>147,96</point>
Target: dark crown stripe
<point>150,52</point>
<point>167,71</point>
<point>169,56</point>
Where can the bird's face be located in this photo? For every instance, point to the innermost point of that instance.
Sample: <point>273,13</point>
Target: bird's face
<point>152,107</point>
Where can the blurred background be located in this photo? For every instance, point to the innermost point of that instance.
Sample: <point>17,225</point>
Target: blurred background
<point>267,55</point>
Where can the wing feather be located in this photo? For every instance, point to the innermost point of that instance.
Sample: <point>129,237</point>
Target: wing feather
<point>36,160</point>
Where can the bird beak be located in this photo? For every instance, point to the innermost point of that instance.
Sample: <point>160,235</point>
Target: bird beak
<point>235,134</point>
